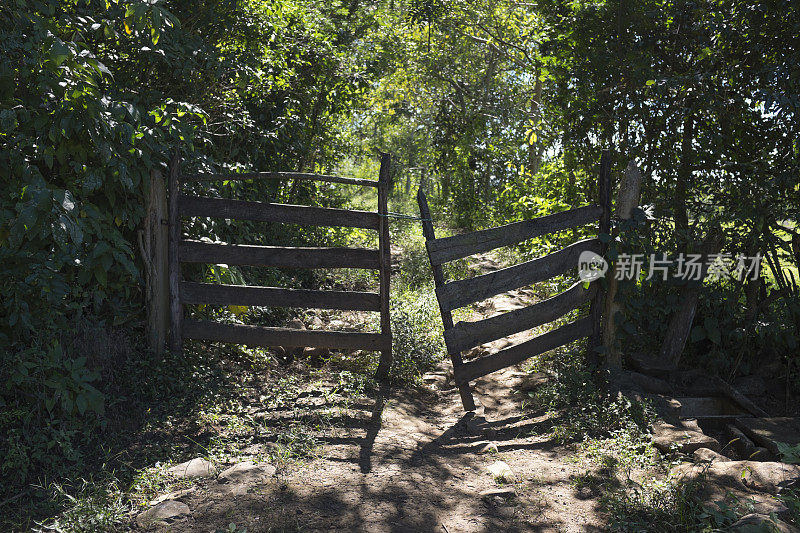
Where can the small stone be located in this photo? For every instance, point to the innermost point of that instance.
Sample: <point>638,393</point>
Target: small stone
<point>246,471</point>
<point>501,472</point>
<point>167,511</point>
<point>196,468</point>
<point>489,447</point>
<point>296,323</point>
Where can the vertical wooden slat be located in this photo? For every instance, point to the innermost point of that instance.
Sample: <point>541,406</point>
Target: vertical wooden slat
<point>176,308</point>
<point>447,317</point>
<point>384,252</point>
<point>598,302</point>
<point>156,252</point>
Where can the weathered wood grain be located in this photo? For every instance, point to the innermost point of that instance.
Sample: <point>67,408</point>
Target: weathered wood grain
<point>466,291</point>
<point>384,253</point>
<point>598,303</point>
<point>459,246</point>
<point>466,335</point>
<point>262,336</point>
<point>279,176</point>
<point>175,307</point>
<point>269,212</point>
<point>277,256</point>
<point>516,354</point>
<point>215,294</point>
<point>447,317</point>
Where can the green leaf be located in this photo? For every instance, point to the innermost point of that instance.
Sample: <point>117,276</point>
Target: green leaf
<point>650,82</point>
<point>100,274</point>
<point>80,401</point>
<point>59,52</point>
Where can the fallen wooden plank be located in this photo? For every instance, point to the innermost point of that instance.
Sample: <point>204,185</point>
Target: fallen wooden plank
<point>519,352</point>
<point>263,336</point>
<point>459,246</point>
<point>465,335</point>
<point>190,206</point>
<point>277,256</point>
<point>467,291</point>
<point>277,176</point>
<point>215,294</point>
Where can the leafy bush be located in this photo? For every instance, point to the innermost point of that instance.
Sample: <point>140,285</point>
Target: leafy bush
<point>417,343</point>
<point>581,408</point>
<point>95,95</point>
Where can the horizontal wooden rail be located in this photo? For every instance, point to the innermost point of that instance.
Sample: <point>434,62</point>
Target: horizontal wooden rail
<point>268,212</point>
<point>459,246</point>
<point>277,256</point>
<point>467,291</point>
<point>262,336</point>
<point>466,335</point>
<point>520,352</point>
<point>278,176</point>
<point>214,294</point>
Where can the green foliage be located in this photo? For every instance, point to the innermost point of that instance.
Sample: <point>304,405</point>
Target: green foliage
<point>96,95</point>
<point>789,454</point>
<point>417,343</point>
<point>581,409</point>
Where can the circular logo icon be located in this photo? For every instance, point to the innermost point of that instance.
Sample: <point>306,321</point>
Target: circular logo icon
<point>591,266</point>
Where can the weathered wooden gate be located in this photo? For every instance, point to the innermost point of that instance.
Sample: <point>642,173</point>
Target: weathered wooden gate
<point>192,251</point>
<point>454,294</point>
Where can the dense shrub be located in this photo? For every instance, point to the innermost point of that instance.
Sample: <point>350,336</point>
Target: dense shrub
<point>95,95</point>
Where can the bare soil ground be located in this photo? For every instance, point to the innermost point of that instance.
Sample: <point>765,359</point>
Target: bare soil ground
<point>412,460</point>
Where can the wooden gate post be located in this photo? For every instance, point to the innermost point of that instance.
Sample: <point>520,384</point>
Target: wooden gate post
<point>154,248</point>
<point>384,251</point>
<point>627,200</point>
<point>447,316</point>
<point>175,305</point>
<point>604,201</point>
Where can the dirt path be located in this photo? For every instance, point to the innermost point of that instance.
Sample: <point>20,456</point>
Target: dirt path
<point>413,461</point>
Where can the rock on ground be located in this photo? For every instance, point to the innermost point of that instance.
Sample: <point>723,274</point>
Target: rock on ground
<point>246,471</point>
<point>687,439</point>
<point>501,471</point>
<point>704,455</point>
<point>196,468</point>
<point>768,432</point>
<point>755,481</point>
<point>755,522</point>
<point>167,511</point>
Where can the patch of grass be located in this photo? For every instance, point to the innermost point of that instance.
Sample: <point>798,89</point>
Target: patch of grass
<point>88,507</point>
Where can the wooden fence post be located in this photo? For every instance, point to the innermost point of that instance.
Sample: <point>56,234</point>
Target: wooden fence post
<point>384,251</point>
<point>447,317</point>
<point>604,201</point>
<point>175,304</point>
<point>627,200</point>
<point>154,247</point>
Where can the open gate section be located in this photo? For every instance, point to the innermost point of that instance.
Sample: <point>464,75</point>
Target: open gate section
<point>452,295</point>
<point>192,251</point>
